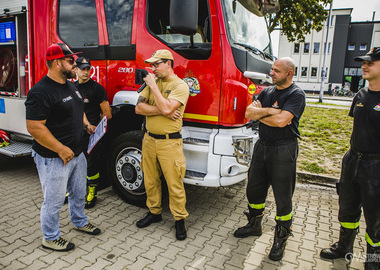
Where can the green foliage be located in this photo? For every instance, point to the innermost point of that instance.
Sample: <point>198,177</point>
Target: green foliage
<point>299,17</point>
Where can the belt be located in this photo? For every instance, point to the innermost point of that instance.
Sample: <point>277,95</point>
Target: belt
<point>362,156</point>
<point>175,135</point>
<point>274,143</point>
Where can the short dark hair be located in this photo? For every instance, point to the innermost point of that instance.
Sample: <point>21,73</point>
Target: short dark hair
<point>49,63</point>
<point>171,62</point>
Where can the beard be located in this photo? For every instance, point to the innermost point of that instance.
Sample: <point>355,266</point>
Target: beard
<point>69,74</point>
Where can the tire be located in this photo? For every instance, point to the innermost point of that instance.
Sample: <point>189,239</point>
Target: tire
<point>124,168</point>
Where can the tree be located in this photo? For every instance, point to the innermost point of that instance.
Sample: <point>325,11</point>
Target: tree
<point>298,17</point>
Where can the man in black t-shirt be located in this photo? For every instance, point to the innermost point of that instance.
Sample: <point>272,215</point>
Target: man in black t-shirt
<point>96,106</point>
<point>55,119</point>
<point>359,184</point>
<point>279,109</point>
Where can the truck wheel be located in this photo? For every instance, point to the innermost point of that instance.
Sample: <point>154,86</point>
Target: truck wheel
<point>124,168</point>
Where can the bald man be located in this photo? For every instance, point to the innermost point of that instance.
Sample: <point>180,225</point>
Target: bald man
<point>278,108</point>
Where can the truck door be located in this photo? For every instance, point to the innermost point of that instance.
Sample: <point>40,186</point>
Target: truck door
<point>198,63</point>
<point>120,49</point>
<point>81,26</point>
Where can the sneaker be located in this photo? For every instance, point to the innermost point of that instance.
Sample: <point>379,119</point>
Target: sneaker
<point>89,229</point>
<point>91,197</point>
<point>59,244</point>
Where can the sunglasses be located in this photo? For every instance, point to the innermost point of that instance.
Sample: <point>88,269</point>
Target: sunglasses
<point>155,65</point>
<point>69,60</point>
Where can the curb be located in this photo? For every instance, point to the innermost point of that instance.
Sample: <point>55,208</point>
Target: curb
<point>316,179</point>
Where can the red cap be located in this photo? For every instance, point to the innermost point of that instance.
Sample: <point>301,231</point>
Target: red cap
<point>59,50</point>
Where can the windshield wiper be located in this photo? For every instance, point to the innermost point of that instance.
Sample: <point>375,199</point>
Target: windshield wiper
<point>255,50</point>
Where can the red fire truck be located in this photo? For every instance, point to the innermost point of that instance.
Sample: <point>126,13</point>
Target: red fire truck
<point>221,48</point>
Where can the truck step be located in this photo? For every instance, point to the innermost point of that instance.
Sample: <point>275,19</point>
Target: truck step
<point>195,141</point>
<point>17,149</point>
<point>195,175</point>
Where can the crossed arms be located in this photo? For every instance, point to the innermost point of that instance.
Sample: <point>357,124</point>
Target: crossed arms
<point>166,107</point>
<point>269,116</point>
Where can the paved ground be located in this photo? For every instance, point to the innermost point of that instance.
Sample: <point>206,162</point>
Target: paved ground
<point>214,214</point>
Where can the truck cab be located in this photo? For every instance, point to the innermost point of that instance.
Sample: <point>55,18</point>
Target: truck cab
<point>221,49</point>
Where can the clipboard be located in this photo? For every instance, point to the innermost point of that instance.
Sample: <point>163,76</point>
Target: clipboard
<point>100,130</point>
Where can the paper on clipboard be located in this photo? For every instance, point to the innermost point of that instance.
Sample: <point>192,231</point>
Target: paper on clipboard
<point>100,130</point>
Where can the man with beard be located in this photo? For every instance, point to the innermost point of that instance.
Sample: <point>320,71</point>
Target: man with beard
<point>279,109</point>
<point>55,118</point>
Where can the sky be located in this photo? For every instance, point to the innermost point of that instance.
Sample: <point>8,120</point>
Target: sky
<point>362,11</point>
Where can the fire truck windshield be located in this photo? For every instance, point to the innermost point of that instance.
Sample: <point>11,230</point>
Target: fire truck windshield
<point>245,28</point>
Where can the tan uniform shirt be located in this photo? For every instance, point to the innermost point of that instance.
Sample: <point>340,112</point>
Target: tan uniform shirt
<point>174,88</point>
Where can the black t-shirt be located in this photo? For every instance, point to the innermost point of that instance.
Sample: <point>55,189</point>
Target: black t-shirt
<point>61,105</point>
<point>93,94</point>
<point>365,109</point>
<point>291,99</point>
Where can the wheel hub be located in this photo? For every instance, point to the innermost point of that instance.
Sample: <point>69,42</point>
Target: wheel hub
<point>129,172</point>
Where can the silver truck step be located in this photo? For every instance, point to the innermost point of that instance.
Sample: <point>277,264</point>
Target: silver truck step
<point>195,141</point>
<point>194,175</point>
<point>17,149</point>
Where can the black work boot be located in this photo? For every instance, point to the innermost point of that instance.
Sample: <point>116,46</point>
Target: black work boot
<point>92,195</point>
<point>180,230</point>
<point>148,219</point>
<point>343,248</point>
<point>253,226</point>
<point>281,234</point>
<point>372,261</point>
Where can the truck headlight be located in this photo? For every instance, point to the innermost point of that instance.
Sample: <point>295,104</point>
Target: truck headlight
<point>243,149</point>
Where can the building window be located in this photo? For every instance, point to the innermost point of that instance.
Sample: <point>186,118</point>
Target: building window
<point>296,48</point>
<point>316,47</point>
<point>328,48</point>
<point>363,47</point>
<point>296,71</point>
<point>352,71</point>
<point>351,47</point>
<point>314,72</point>
<point>306,48</point>
<point>303,71</point>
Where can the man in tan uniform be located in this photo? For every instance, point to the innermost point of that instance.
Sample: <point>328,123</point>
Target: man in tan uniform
<point>163,102</point>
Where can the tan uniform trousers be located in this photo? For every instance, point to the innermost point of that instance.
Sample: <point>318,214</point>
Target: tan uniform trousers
<point>164,156</point>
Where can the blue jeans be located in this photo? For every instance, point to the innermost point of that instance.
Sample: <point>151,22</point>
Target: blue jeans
<point>57,179</point>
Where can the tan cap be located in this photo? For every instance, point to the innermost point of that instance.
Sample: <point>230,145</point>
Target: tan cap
<point>159,55</point>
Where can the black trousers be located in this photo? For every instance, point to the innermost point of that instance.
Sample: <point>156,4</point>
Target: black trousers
<point>359,187</point>
<point>93,159</point>
<point>273,164</point>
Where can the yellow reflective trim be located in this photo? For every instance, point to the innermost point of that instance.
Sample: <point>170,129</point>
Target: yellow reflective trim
<point>369,241</point>
<point>201,117</point>
<point>257,206</point>
<point>96,176</point>
<point>285,218</point>
<point>350,225</point>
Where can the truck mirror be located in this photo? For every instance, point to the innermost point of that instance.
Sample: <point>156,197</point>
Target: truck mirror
<point>261,7</point>
<point>184,16</point>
